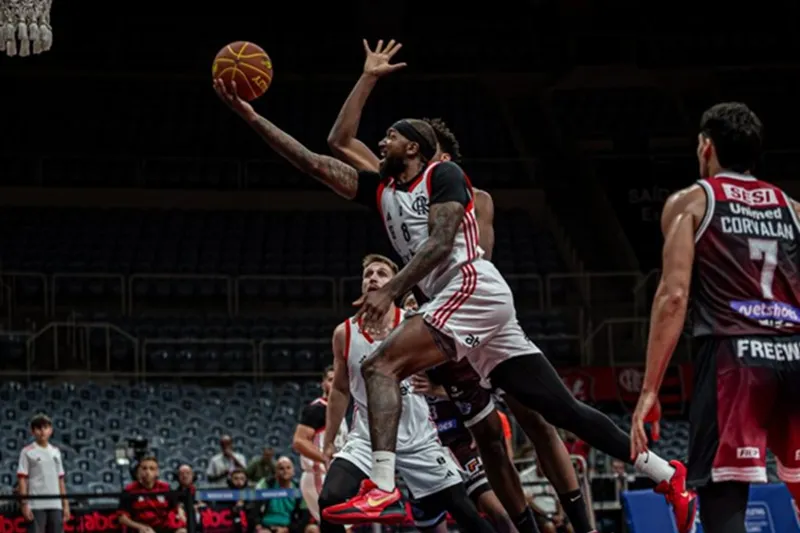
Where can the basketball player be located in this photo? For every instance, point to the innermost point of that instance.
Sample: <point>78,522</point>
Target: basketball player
<point>428,210</point>
<point>475,408</point>
<point>456,437</point>
<point>731,244</point>
<point>431,475</point>
<point>308,440</point>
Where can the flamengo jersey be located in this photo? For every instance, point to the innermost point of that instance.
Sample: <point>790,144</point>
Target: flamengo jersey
<point>405,215</point>
<point>319,440</point>
<point>416,428</point>
<point>746,279</point>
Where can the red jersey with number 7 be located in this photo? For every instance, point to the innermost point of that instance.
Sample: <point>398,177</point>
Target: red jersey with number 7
<point>746,278</point>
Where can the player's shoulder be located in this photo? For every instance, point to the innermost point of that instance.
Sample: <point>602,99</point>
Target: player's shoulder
<point>340,331</point>
<point>446,168</point>
<point>29,448</point>
<point>133,486</point>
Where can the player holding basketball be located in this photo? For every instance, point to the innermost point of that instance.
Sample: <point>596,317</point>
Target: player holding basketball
<point>428,210</point>
<point>731,244</point>
<point>309,436</point>
<point>431,475</point>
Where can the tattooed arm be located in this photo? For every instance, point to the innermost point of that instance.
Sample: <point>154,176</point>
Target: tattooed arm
<point>340,177</point>
<point>443,223</point>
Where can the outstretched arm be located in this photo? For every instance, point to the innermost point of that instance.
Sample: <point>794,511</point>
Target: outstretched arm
<point>340,177</point>
<point>342,138</point>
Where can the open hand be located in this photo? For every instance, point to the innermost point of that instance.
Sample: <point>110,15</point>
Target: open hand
<point>421,384</point>
<point>377,61</point>
<point>232,100</point>
<point>648,410</point>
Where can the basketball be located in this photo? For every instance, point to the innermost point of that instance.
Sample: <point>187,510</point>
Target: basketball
<point>248,65</point>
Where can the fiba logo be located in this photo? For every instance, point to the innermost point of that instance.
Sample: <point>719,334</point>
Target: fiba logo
<point>420,205</point>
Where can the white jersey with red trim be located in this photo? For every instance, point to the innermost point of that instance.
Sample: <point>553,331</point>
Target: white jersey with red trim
<point>416,427</point>
<point>405,215</point>
<point>319,440</point>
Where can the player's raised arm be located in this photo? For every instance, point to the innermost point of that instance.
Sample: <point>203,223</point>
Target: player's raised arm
<point>342,138</point>
<point>340,177</point>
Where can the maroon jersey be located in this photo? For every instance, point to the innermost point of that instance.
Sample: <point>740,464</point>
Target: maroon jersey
<point>746,279</point>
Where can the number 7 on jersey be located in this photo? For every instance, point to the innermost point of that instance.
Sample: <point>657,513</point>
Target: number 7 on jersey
<point>765,250</point>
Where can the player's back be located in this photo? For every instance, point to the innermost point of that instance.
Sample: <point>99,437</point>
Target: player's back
<point>416,427</point>
<point>746,279</point>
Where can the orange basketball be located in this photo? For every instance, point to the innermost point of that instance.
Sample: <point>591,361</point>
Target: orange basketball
<point>248,65</point>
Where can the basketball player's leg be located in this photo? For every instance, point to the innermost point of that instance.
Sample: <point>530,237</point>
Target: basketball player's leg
<point>556,464</point>
<point>517,367</point>
<point>723,506</point>
<point>434,480</point>
<point>341,483</point>
<point>409,349</point>
<point>727,446</point>
<point>489,504</point>
<point>310,486</point>
<point>784,435</point>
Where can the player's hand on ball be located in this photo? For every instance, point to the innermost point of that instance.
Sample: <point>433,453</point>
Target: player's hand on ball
<point>373,307</point>
<point>377,62</point>
<point>229,96</point>
<point>648,410</point>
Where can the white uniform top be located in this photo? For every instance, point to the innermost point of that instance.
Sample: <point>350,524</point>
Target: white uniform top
<point>405,215</point>
<point>44,467</point>
<point>319,440</point>
<point>416,428</point>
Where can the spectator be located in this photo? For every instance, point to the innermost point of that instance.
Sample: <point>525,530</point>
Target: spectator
<point>262,467</point>
<point>223,464</point>
<point>237,509</point>
<point>186,480</point>
<point>283,515</point>
<point>41,473</point>
<point>148,506</point>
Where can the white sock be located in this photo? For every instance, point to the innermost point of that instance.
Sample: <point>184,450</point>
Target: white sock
<point>653,467</point>
<point>383,470</point>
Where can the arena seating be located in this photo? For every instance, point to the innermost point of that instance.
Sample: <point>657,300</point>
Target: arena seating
<point>183,424</point>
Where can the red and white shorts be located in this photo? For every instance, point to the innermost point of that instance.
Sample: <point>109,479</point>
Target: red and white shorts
<point>739,412</point>
<point>475,312</point>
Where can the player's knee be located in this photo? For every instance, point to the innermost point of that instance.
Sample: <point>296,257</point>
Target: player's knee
<point>330,497</point>
<point>378,366</point>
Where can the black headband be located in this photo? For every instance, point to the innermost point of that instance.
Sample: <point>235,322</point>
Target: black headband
<point>407,130</point>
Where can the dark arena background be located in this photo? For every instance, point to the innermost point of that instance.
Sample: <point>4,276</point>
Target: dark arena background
<point>167,279</point>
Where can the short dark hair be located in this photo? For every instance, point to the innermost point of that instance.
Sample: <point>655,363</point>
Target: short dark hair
<point>736,133</point>
<point>445,137</point>
<point>325,372</point>
<point>40,420</point>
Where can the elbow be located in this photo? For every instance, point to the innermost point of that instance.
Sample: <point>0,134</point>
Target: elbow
<point>296,446</point>
<point>336,143</point>
<point>675,299</point>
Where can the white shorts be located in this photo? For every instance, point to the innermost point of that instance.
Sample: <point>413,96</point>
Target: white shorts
<point>476,310</point>
<point>310,487</point>
<point>426,470</point>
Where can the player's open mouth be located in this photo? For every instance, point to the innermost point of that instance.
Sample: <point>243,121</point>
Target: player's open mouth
<point>372,288</point>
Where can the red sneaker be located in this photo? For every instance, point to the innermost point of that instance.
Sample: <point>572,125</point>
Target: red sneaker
<point>370,505</point>
<point>684,502</point>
